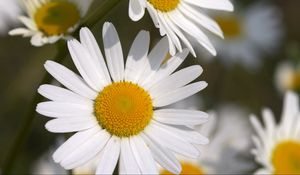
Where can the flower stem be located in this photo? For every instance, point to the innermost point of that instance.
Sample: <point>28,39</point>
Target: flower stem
<point>98,14</point>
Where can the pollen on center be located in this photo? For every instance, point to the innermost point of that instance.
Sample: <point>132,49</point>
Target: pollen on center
<point>56,17</point>
<point>164,5</point>
<point>124,109</point>
<point>286,157</point>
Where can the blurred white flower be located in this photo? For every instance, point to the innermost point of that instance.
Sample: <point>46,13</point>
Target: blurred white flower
<point>278,145</point>
<point>51,20</point>
<point>229,131</point>
<point>249,34</point>
<point>287,77</point>
<point>179,20</point>
<point>9,10</point>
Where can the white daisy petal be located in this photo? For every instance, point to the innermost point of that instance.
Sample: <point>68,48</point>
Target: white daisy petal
<point>201,19</point>
<point>136,10</point>
<point>89,42</point>
<point>113,52</point>
<point>73,142</point>
<point>21,31</point>
<point>127,159</point>
<point>59,94</point>
<point>69,79</point>
<point>143,156</point>
<point>137,57</point>
<point>163,156</point>
<point>171,140</point>
<point>192,30</point>
<point>109,156</point>
<point>180,117</point>
<point>175,81</point>
<point>213,4</point>
<point>86,151</point>
<point>37,40</point>
<point>60,109</point>
<point>155,59</point>
<point>65,125</point>
<point>166,69</point>
<point>85,65</point>
<point>178,94</point>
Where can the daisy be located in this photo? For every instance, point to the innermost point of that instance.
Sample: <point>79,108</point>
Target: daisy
<point>51,20</point>
<point>287,77</point>
<point>278,145</point>
<point>8,11</point>
<point>180,20</point>
<point>249,34</point>
<point>225,153</point>
<point>117,111</point>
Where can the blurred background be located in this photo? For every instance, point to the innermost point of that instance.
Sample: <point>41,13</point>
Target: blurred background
<point>263,36</point>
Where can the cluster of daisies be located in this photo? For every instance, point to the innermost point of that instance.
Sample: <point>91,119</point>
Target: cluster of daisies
<point>125,112</point>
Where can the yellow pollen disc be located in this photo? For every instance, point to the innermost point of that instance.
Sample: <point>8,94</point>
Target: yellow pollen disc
<point>56,17</point>
<point>124,109</point>
<point>231,26</point>
<point>164,5</point>
<point>293,83</point>
<point>187,168</point>
<point>286,158</point>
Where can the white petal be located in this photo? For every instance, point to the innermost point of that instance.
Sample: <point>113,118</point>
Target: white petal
<point>178,94</point>
<point>167,68</point>
<point>201,19</point>
<point>182,36</point>
<point>180,117</point>
<point>171,140</point>
<point>28,23</point>
<point>69,79</point>
<point>213,4</point>
<point>258,128</point>
<point>86,65</point>
<point>163,156</point>
<point>73,142</point>
<point>59,94</point>
<point>127,159</point>
<point>86,151</point>
<point>89,42</point>
<point>136,10</point>
<point>143,156</point>
<point>268,118</point>
<point>109,156</point>
<point>74,124</point>
<point>137,57</point>
<point>21,31</point>
<point>191,29</point>
<point>155,58</point>
<point>60,109</point>
<point>37,40</point>
<point>290,110</point>
<point>113,52</point>
<point>175,81</point>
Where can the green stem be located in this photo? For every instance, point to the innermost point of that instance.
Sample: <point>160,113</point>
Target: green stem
<point>98,14</point>
<point>29,117</point>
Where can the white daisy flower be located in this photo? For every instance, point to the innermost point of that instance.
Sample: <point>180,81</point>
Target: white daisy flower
<point>249,34</point>
<point>225,153</point>
<point>278,146</point>
<point>117,111</point>
<point>180,20</point>
<point>51,20</point>
<point>287,77</point>
<point>8,12</point>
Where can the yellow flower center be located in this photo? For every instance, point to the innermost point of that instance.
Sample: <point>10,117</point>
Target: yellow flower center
<point>187,168</point>
<point>231,26</point>
<point>164,5</point>
<point>124,109</point>
<point>293,82</point>
<point>56,17</point>
<point>286,158</point>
